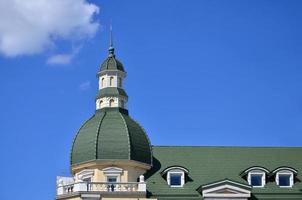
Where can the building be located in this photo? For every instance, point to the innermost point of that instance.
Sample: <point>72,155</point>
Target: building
<point>112,159</point>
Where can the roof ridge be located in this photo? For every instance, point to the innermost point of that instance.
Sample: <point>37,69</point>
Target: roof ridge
<point>75,137</point>
<point>127,129</point>
<point>97,135</point>
<point>148,139</point>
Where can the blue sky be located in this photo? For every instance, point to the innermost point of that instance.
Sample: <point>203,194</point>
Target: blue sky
<point>199,73</point>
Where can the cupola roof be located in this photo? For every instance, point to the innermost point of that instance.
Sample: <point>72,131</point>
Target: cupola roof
<point>111,134</point>
<point>111,63</point>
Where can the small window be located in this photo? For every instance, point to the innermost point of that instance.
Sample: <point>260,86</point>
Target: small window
<point>103,82</point>
<point>122,104</point>
<point>256,180</point>
<point>120,82</point>
<point>111,103</point>
<point>175,176</point>
<point>101,104</point>
<point>112,179</point>
<point>284,180</point>
<point>255,176</point>
<point>111,186</point>
<point>175,179</point>
<point>285,176</point>
<point>111,80</point>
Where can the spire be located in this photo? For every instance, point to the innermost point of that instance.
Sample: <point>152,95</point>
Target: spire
<point>111,48</point>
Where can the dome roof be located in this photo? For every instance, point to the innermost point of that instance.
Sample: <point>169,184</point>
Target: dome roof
<point>111,134</point>
<point>111,63</point>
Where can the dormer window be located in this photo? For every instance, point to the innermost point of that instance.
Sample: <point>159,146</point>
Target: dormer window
<point>257,179</point>
<point>285,180</point>
<point>175,176</point>
<point>256,176</point>
<point>284,176</point>
<point>175,179</point>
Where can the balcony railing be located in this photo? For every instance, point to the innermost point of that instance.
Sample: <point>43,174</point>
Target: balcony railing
<point>104,187</point>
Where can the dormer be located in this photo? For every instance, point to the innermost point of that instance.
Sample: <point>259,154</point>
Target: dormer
<point>175,176</point>
<point>256,176</point>
<point>285,176</point>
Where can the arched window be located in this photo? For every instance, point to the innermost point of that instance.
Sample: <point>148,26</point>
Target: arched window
<point>122,104</point>
<point>175,176</point>
<point>103,82</point>
<point>285,176</point>
<point>111,103</point>
<point>111,80</point>
<point>256,176</point>
<point>119,82</point>
<point>101,104</point>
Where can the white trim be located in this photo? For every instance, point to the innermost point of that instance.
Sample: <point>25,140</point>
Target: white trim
<point>85,174</point>
<point>257,172</point>
<point>113,172</point>
<point>178,172</point>
<point>256,168</point>
<point>176,168</point>
<point>224,181</point>
<point>216,192</point>
<point>285,169</point>
<point>285,172</point>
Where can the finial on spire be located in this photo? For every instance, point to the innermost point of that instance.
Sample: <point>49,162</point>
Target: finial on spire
<point>111,48</point>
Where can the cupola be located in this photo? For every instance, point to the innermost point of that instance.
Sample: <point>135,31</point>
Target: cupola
<point>111,137</point>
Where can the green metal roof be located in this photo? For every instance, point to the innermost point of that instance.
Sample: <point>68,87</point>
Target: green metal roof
<point>210,164</point>
<point>111,63</point>
<point>111,91</point>
<point>111,134</point>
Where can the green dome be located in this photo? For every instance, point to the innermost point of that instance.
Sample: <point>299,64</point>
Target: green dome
<point>111,134</point>
<point>111,63</point>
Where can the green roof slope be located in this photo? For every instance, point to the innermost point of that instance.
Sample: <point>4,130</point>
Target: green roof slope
<point>111,134</point>
<point>111,63</point>
<point>210,164</point>
<point>111,91</point>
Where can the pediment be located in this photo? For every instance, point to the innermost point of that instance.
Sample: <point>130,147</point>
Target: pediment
<point>227,189</point>
<point>112,170</point>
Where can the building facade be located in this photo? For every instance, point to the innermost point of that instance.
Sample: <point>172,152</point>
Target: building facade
<point>112,158</point>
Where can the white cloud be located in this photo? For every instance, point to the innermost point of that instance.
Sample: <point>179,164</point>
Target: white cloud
<point>63,58</point>
<point>31,26</point>
<point>85,85</point>
<point>60,59</point>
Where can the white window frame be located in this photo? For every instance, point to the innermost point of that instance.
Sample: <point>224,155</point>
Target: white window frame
<point>285,172</point>
<point>176,170</point>
<point>257,172</point>
<point>113,172</point>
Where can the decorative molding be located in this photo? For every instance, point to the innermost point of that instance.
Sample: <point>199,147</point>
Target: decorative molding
<point>285,169</point>
<point>112,170</point>
<point>84,174</point>
<point>176,168</point>
<point>225,189</point>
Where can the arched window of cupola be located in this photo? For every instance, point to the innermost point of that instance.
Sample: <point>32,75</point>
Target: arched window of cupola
<point>111,102</point>
<point>119,82</point>
<point>101,104</point>
<point>103,82</point>
<point>122,104</point>
<point>111,80</point>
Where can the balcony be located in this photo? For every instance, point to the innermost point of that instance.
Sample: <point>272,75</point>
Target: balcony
<point>102,189</point>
